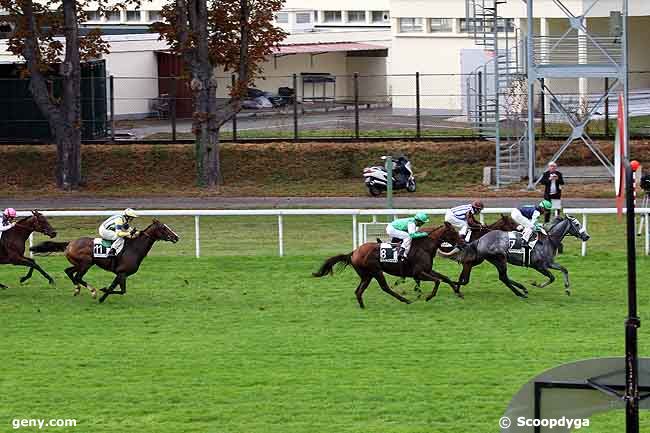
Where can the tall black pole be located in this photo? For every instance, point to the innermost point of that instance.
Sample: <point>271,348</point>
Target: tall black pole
<point>633,322</point>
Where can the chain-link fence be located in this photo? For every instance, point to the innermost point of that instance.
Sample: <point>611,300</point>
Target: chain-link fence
<point>320,106</point>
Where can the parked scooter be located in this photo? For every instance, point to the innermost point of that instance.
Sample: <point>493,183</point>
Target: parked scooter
<point>375,176</point>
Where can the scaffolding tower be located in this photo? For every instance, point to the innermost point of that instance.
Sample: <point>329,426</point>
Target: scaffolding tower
<point>578,53</point>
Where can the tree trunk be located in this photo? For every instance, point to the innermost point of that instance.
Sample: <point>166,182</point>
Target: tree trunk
<point>64,117</point>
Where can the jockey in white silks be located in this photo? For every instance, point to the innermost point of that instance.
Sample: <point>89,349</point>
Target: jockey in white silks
<point>116,229</point>
<point>8,220</point>
<point>527,217</point>
<point>462,218</point>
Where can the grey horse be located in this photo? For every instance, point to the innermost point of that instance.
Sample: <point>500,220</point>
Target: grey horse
<point>495,248</point>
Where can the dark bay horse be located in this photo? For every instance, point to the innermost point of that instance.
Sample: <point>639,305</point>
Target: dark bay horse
<point>80,254</point>
<point>12,244</point>
<point>494,247</point>
<point>365,261</point>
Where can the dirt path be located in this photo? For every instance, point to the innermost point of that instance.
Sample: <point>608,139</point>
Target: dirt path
<point>89,202</point>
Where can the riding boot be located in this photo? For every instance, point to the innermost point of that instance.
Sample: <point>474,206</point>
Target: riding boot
<point>112,252</point>
<point>401,261</point>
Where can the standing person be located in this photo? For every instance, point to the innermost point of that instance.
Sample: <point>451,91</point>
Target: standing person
<point>552,180</point>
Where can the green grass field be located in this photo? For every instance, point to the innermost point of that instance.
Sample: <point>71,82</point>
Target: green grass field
<point>242,341</point>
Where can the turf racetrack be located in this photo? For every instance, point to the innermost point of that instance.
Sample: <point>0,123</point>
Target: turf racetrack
<point>253,344</point>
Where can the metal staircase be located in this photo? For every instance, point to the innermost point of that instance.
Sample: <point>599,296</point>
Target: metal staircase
<point>496,91</point>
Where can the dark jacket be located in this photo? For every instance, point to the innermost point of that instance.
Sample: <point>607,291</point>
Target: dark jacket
<point>546,181</point>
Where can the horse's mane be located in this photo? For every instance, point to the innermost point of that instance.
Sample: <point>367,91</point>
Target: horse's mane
<point>435,229</point>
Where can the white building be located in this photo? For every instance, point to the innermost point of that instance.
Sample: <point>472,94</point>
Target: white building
<point>380,38</point>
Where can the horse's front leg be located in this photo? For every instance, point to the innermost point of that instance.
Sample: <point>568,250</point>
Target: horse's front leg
<point>434,292</point>
<point>109,290</point>
<point>565,274</point>
<point>547,274</point>
<point>437,277</point>
<point>27,276</point>
<point>31,263</point>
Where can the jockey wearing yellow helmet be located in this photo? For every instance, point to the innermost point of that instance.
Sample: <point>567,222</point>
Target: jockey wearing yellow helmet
<point>117,228</point>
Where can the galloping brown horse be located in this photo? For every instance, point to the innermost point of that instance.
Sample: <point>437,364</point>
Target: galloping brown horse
<point>12,244</point>
<point>505,223</point>
<point>365,260</point>
<point>80,254</point>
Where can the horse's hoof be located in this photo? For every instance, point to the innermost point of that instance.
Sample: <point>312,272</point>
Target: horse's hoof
<point>534,283</point>
<point>76,292</point>
<point>568,292</point>
<point>94,294</point>
<point>22,280</point>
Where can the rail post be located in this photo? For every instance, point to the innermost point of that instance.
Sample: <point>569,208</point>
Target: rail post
<point>607,107</point>
<point>584,244</point>
<point>280,236</point>
<point>647,235</point>
<point>31,244</point>
<point>542,104</point>
<point>111,85</point>
<point>295,107</point>
<point>354,232</point>
<point>172,106</point>
<point>233,83</point>
<point>356,105</point>
<point>197,237</point>
<point>418,110</point>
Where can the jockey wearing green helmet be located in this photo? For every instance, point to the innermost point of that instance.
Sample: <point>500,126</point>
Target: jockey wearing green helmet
<point>527,217</point>
<point>406,229</point>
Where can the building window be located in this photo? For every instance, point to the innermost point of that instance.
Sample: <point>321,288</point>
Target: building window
<point>411,25</point>
<point>356,16</point>
<point>332,16</point>
<point>506,24</point>
<point>465,26</point>
<point>303,18</point>
<point>282,18</point>
<point>315,16</point>
<point>133,16</point>
<point>155,16</point>
<point>93,16</point>
<point>440,25</point>
<point>502,25</point>
<point>113,16</point>
<point>380,17</point>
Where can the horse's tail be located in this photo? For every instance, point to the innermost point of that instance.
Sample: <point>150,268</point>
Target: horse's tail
<point>49,247</point>
<point>328,266</point>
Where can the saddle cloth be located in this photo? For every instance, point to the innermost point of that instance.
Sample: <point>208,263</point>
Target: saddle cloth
<point>519,248</point>
<point>101,247</point>
<point>388,253</point>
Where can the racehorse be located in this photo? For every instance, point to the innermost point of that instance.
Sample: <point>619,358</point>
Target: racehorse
<point>80,254</point>
<point>495,245</point>
<point>365,261</point>
<point>12,244</point>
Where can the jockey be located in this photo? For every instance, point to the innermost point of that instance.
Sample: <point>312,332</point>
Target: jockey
<point>8,219</point>
<point>116,228</point>
<point>407,229</point>
<point>462,218</point>
<point>527,216</point>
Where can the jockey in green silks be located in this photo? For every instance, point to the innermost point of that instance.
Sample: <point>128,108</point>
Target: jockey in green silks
<point>406,229</point>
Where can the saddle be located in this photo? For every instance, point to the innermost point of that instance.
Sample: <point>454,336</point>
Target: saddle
<point>519,247</point>
<point>101,248</point>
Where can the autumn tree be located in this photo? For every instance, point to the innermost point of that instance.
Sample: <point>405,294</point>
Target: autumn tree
<point>234,36</point>
<point>45,34</point>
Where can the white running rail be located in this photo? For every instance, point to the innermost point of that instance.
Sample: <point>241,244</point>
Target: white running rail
<point>354,214</point>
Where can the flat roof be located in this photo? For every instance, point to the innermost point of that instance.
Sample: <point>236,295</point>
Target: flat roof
<point>326,47</point>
